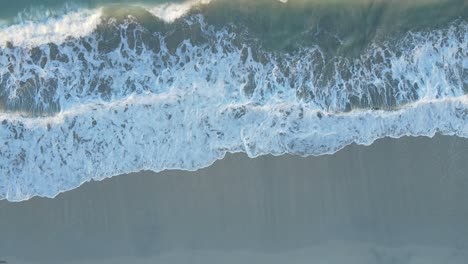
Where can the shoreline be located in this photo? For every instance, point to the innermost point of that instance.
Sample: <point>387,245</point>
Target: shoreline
<point>396,195</point>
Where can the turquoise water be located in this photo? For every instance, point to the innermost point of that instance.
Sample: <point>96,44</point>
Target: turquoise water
<point>177,85</point>
<point>282,25</point>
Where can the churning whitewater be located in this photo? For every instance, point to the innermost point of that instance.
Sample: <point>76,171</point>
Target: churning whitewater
<point>93,93</point>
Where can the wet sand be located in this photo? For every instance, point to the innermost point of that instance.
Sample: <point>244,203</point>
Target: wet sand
<point>396,201</point>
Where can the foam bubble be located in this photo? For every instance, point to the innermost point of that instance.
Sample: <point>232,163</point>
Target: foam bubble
<point>54,30</point>
<point>135,106</point>
<point>169,12</point>
<point>49,155</point>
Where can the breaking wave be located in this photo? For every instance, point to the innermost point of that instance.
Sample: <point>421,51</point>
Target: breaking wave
<point>108,96</point>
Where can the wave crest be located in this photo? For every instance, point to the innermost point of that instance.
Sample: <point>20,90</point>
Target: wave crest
<point>124,98</point>
<point>54,30</point>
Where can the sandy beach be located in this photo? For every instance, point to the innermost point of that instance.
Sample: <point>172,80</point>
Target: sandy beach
<point>396,201</point>
<point>234,131</point>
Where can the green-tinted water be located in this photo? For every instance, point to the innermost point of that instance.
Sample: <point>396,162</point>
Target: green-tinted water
<point>337,26</point>
<point>164,85</point>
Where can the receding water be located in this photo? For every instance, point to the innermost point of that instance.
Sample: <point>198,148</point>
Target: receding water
<point>399,201</point>
<point>96,89</point>
<point>201,77</point>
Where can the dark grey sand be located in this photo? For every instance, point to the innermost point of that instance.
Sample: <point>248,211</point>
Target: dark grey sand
<point>397,201</point>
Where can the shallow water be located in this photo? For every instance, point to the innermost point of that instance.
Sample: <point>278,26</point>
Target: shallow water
<point>399,201</point>
<point>95,89</point>
<point>187,82</point>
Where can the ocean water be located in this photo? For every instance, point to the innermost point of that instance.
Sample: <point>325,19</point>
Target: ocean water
<point>93,89</point>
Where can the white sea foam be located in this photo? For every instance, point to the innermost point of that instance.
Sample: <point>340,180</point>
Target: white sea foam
<point>187,108</point>
<point>46,156</point>
<point>73,23</point>
<point>54,30</point>
<point>430,68</point>
<point>169,12</point>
